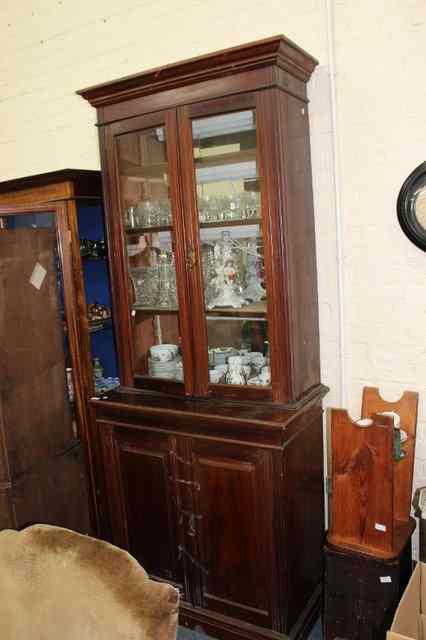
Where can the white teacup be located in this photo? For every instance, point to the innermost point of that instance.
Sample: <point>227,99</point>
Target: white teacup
<point>164,352</point>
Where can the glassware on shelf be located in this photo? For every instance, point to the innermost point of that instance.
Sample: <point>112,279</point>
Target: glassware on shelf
<point>167,295</point>
<point>148,214</point>
<point>209,273</point>
<point>98,370</point>
<point>93,249</point>
<point>236,207</point>
<point>254,290</point>
<point>130,217</point>
<point>155,286</point>
<point>146,285</point>
<point>165,214</point>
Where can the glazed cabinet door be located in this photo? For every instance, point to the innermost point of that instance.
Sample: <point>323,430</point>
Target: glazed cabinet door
<point>142,500</point>
<point>233,232</point>
<point>41,401</point>
<point>234,531</point>
<point>147,253</point>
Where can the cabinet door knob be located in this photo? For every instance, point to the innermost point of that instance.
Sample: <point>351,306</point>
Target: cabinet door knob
<point>191,258</point>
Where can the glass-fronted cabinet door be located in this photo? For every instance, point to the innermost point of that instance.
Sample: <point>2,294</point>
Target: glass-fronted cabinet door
<point>39,317</point>
<point>220,139</point>
<point>41,401</point>
<point>154,284</point>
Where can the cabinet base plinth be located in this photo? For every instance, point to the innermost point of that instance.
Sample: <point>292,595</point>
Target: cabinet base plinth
<point>224,628</point>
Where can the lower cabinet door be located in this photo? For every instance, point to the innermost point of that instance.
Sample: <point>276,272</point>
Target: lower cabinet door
<point>234,523</point>
<point>142,501</point>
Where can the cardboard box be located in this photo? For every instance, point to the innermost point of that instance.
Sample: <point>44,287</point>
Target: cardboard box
<point>409,622</point>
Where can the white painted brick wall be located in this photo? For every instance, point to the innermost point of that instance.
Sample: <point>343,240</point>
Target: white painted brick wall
<point>51,48</point>
<point>380,55</point>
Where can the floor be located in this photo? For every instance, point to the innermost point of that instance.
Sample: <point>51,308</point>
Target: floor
<point>187,634</point>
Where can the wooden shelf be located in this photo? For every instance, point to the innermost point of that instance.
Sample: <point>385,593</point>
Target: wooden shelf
<point>155,310</point>
<point>156,171</point>
<point>250,310</point>
<point>244,222</point>
<point>234,157</point>
<point>141,230</point>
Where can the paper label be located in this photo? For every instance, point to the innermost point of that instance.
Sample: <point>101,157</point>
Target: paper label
<point>38,275</point>
<point>385,579</point>
<point>380,527</point>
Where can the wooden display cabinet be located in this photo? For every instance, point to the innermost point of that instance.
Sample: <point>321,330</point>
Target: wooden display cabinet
<point>46,330</point>
<point>209,459</point>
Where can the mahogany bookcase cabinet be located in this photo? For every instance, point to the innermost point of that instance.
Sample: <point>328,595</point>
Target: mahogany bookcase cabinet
<point>209,458</point>
<point>44,329</point>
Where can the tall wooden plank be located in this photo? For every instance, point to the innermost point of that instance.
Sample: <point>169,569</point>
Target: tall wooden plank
<point>362,505</point>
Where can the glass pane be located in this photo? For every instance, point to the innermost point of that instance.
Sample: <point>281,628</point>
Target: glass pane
<point>36,355</point>
<point>148,224</point>
<point>98,295</point>
<point>235,292</point>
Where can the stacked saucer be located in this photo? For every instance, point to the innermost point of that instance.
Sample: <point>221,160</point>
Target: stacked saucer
<point>159,369</point>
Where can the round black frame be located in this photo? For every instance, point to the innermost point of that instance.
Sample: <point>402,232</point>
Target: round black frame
<point>404,206</point>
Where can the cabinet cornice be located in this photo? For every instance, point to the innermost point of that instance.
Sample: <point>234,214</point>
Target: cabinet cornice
<point>277,51</point>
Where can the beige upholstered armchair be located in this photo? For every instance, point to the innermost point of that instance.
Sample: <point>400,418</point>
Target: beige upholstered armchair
<point>56,584</point>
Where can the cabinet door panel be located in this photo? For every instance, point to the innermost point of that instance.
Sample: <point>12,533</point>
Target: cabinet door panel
<point>222,173</point>
<point>143,466</point>
<point>235,530</point>
<point>148,267</point>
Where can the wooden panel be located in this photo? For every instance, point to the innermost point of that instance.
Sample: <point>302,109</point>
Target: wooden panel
<point>289,223</point>
<point>357,603</point>
<point>235,530</point>
<point>7,515</point>
<point>44,193</point>
<point>35,406</point>
<point>299,240</point>
<point>53,185</point>
<point>54,493</point>
<point>276,257</point>
<point>362,462</point>
<point>406,408</point>
<point>145,477</point>
<point>303,517</point>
